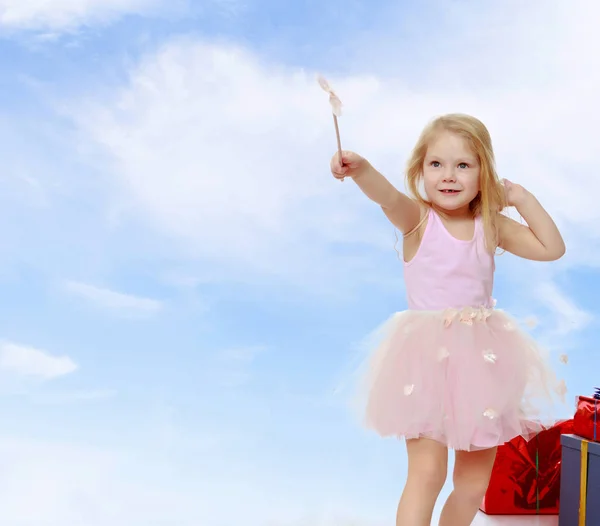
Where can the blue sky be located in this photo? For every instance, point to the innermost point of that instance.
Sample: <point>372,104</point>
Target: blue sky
<point>184,284</point>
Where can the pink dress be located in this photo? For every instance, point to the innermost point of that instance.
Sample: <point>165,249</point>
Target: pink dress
<point>452,367</point>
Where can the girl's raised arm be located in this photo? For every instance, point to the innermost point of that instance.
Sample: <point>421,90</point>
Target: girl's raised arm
<point>540,240</point>
<point>401,210</point>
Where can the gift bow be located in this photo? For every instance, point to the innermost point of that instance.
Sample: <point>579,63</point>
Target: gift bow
<point>527,476</point>
<point>526,473</point>
<point>538,484</point>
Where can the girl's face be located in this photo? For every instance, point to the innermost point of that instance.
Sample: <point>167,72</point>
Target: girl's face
<point>451,173</point>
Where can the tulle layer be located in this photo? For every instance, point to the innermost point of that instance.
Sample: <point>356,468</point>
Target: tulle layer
<point>469,378</point>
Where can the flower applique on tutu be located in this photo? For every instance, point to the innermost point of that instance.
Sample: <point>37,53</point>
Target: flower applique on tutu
<point>470,378</point>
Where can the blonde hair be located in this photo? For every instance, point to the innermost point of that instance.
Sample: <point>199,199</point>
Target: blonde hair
<point>490,200</point>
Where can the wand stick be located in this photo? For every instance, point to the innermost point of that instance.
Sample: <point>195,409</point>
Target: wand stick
<point>337,134</point>
<point>336,107</point>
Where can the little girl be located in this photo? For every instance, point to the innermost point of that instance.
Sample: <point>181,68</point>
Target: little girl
<point>453,372</point>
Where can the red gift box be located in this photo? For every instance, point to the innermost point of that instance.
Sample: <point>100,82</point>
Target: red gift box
<point>526,474</point>
<point>587,418</point>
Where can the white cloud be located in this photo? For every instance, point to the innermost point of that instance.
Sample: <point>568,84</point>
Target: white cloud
<point>568,316</point>
<point>247,184</point>
<point>87,486</point>
<point>233,367</point>
<point>72,397</point>
<point>240,355</point>
<point>90,485</point>
<point>58,15</point>
<point>229,154</point>
<point>29,361</point>
<point>49,474</point>
<point>125,304</point>
<point>328,519</point>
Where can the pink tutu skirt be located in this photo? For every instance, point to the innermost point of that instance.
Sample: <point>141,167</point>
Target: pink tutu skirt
<point>469,378</point>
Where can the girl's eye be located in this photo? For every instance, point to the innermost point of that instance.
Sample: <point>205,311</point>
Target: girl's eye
<point>464,166</point>
<point>435,164</point>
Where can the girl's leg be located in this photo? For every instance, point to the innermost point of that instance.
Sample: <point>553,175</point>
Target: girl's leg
<point>472,471</point>
<point>427,468</point>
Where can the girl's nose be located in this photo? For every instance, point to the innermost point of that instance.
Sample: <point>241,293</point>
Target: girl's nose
<point>449,176</point>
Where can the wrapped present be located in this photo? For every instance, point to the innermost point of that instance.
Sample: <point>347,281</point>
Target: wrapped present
<point>526,474</point>
<point>587,418</point>
<point>580,482</point>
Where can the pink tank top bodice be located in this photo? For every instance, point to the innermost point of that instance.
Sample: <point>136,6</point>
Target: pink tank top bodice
<point>447,272</point>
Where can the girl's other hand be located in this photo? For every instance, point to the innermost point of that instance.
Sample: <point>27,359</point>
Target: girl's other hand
<point>514,193</point>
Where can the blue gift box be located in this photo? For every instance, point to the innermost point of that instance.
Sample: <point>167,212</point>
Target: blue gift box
<point>579,482</point>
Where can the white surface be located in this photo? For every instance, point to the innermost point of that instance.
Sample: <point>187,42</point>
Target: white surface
<point>505,520</point>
